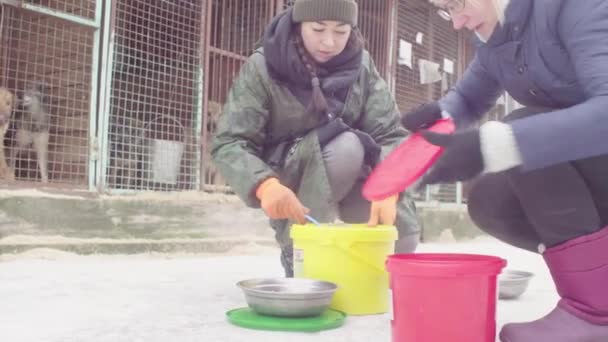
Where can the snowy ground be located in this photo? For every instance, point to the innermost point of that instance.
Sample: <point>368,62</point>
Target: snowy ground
<point>49,296</point>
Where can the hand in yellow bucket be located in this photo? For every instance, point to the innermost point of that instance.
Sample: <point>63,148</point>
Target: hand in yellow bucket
<point>383,212</point>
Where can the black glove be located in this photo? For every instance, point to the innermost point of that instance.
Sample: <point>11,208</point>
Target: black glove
<point>422,117</point>
<point>461,159</point>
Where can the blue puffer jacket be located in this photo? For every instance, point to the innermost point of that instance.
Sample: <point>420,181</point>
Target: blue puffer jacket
<point>549,53</point>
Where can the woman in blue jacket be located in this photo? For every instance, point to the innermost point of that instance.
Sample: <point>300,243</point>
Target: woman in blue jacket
<point>541,175</point>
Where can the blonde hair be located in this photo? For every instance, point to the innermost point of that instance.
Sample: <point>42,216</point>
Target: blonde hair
<point>501,8</point>
<point>499,5</point>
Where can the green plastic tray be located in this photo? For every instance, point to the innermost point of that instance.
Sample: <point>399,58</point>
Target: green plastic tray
<point>247,318</point>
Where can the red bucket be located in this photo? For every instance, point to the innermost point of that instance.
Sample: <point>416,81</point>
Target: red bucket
<point>444,297</point>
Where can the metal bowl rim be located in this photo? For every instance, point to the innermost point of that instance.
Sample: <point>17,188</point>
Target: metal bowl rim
<point>279,281</point>
<point>291,298</point>
<point>515,275</point>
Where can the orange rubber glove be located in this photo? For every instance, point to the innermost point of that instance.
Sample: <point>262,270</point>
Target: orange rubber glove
<point>279,202</point>
<point>384,211</point>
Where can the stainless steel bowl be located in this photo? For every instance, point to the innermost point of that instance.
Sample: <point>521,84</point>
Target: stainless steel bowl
<point>513,283</point>
<point>288,297</point>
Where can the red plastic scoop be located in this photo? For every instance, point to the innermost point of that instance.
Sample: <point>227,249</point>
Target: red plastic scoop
<point>402,167</point>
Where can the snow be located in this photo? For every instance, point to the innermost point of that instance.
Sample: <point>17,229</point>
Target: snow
<point>55,296</point>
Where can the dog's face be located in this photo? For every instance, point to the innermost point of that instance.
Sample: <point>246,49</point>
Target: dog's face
<point>34,94</point>
<point>6,105</point>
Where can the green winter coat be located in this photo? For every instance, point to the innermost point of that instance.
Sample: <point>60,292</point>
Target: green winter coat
<point>259,114</point>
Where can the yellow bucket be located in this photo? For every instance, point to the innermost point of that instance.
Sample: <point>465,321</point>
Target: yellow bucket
<point>351,256</point>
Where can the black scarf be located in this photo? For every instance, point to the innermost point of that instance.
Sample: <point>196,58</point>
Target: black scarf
<point>285,65</point>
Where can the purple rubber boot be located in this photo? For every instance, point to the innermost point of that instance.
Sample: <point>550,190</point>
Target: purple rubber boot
<point>579,268</point>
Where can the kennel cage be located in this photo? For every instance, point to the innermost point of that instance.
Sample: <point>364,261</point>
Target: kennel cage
<point>234,28</point>
<point>152,102</point>
<point>53,44</point>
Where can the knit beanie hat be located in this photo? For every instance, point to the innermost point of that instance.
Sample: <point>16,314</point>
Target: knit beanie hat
<point>318,10</point>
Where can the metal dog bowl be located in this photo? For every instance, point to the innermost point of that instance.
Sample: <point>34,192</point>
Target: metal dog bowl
<point>513,283</point>
<point>288,297</point>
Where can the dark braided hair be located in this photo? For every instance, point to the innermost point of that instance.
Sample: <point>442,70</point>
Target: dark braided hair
<point>318,104</point>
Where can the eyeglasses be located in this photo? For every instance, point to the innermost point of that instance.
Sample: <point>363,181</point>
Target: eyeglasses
<point>451,7</point>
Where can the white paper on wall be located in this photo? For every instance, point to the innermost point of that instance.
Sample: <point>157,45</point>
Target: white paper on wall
<point>429,71</point>
<point>448,66</point>
<point>419,37</point>
<point>405,53</point>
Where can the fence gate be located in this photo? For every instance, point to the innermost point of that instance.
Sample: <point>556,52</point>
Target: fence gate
<point>48,61</point>
<point>152,95</point>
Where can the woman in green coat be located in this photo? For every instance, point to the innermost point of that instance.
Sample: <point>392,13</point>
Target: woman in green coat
<point>305,121</point>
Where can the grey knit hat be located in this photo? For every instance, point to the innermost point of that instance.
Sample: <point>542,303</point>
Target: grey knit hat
<point>318,10</point>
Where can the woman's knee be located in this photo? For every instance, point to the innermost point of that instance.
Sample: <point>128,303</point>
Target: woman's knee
<point>343,158</point>
<point>345,147</point>
<point>496,210</point>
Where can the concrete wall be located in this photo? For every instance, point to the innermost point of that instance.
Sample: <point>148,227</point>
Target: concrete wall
<point>191,221</point>
<point>446,221</point>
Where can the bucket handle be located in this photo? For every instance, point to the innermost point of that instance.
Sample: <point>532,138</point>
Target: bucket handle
<point>164,116</point>
<point>359,257</point>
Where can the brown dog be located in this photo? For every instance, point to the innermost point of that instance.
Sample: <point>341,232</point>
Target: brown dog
<point>6,109</point>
